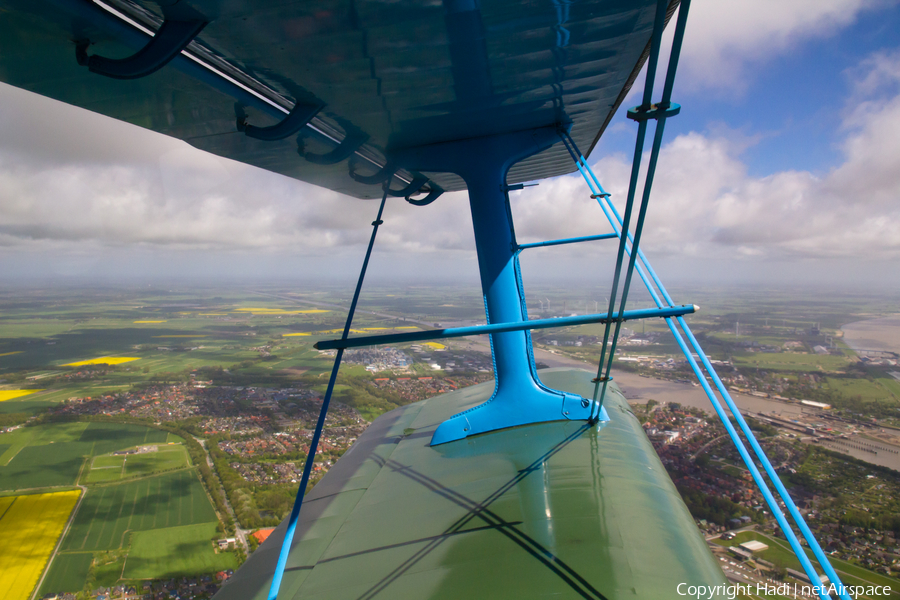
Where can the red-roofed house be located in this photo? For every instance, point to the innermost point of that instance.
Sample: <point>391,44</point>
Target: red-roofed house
<point>262,534</point>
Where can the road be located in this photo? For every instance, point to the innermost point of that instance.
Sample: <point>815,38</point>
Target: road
<point>703,448</point>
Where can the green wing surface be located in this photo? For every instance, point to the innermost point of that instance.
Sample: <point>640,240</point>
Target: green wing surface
<point>554,510</point>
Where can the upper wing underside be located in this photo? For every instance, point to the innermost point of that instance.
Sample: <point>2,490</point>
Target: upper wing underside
<point>384,75</point>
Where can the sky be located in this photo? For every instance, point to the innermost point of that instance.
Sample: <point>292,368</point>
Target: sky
<point>783,168</point>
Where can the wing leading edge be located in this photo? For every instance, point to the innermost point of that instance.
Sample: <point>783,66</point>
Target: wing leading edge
<point>549,510</point>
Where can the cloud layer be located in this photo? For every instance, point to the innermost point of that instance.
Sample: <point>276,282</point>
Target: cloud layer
<point>130,188</point>
<point>723,39</point>
<point>704,202</point>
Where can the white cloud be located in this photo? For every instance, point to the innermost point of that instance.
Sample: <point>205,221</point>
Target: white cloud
<point>704,203</point>
<point>725,37</point>
<point>194,200</point>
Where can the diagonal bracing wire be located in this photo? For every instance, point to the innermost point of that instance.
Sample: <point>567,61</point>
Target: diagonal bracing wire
<point>656,40</point>
<point>660,112</point>
<point>649,277</point>
<point>320,424</point>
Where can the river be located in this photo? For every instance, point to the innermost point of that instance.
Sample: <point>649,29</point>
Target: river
<point>637,388</point>
<point>641,389</point>
<point>874,334</point>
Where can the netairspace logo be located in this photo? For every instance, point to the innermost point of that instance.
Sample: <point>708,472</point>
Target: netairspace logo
<point>711,592</point>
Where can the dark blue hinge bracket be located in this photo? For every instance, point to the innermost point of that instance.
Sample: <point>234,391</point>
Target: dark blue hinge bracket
<point>436,191</point>
<point>516,186</point>
<point>345,149</point>
<point>656,111</point>
<point>169,41</point>
<point>292,123</point>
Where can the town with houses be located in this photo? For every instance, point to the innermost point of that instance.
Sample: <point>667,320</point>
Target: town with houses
<point>430,355</point>
<point>261,436</point>
<point>708,473</point>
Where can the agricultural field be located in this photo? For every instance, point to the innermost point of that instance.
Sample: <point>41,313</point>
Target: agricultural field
<point>109,512</point>
<point>103,360</point>
<point>67,573</point>
<point>112,467</point>
<point>53,454</point>
<point>12,394</point>
<point>84,345</point>
<point>147,515</point>
<point>30,527</point>
<point>26,406</point>
<point>176,551</point>
<point>64,339</point>
<point>116,522</point>
<point>876,389</point>
<point>791,362</point>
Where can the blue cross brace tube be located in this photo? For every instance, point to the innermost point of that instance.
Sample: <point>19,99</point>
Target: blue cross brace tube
<point>587,238</point>
<point>770,500</point>
<point>491,328</point>
<point>320,424</point>
<point>767,465</point>
<point>601,195</point>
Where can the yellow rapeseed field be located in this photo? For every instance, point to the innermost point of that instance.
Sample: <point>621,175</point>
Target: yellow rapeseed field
<point>30,527</point>
<point>16,352</point>
<point>435,345</point>
<point>10,394</point>
<point>103,360</point>
<point>293,334</point>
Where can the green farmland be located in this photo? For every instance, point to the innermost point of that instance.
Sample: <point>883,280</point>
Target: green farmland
<point>52,455</point>
<point>67,573</point>
<point>787,361</point>
<point>109,512</point>
<point>109,467</point>
<point>144,515</point>
<point>176,551</point>
<point>40,466</point>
